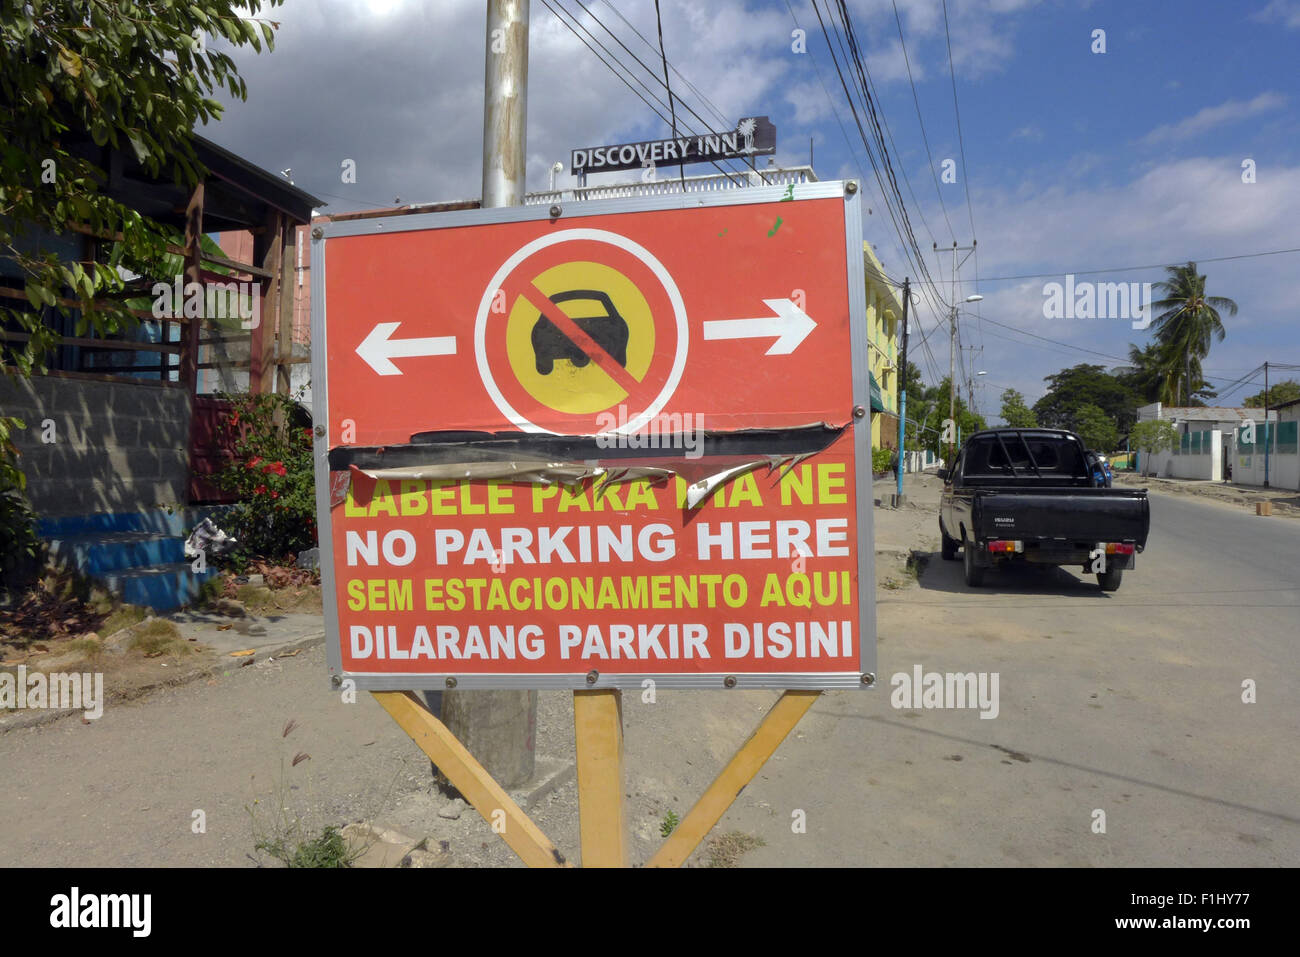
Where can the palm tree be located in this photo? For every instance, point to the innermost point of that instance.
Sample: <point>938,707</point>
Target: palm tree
<point>1145,374</point>
<point>1184,329</point>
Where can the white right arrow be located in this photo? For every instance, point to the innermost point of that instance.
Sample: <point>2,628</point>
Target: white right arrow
<point>377,349</point>
<point>790,325</point>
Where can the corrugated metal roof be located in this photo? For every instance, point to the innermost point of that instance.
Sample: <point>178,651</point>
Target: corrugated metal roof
<point>1210,413</point>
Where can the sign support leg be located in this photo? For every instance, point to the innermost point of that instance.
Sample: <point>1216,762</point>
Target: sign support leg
<point>602,818</point>
<point>453,759</point>
<point>753,754</point>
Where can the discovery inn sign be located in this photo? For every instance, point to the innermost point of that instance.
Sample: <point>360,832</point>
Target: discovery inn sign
<point>753,136</point>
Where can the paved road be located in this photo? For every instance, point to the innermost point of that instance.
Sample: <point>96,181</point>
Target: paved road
<point>1127,703</point>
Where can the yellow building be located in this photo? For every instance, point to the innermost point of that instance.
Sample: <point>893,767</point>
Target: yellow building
<point>884,314</point>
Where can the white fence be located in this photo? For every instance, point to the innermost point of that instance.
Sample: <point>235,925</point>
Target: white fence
<point>1283,457</point>
<point>1198,456</point>
<point>1201,456</point>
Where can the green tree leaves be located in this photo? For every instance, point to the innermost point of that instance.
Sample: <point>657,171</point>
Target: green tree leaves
<point>1095,427</point>
<point>128,75</point>
<point>1277,394</point>
<point>1084,384</point>
<point>1015,413</point>
<point>1187,324</point>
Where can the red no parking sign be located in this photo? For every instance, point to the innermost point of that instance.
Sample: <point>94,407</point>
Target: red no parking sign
<point>541,558</point>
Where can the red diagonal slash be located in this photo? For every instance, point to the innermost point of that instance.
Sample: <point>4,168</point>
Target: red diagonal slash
<point>593,349</point>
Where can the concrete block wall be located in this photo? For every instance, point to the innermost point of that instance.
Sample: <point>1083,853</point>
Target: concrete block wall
<point>1283,470</point>
<point>1208,466</point>
<point>118,447</point>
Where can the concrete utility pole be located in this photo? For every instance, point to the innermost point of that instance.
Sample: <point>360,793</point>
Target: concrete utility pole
<point>499,727</point>
<point>902,393</point>
<point>952,344</point>
<point>1267,434</point>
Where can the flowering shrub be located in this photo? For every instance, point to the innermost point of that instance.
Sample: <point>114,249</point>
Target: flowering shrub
<point>271,473</point>
<point>882,460</point>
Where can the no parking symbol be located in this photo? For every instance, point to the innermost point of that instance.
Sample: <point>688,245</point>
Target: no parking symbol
<point>576,323</point>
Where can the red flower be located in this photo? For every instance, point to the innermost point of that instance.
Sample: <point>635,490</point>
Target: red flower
<point>234,418</point>
<point>252,463</point>
<point>274,494</point>
<point>260,490</point>
<point>276,467</point>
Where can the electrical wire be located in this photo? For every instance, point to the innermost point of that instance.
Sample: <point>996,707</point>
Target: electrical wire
<point>689,85</point>
<point>961,146</point>
<point>733,176</point>
<point>707,126</point>
<point>881,179</point>
<point>924,138</point>
<point>1093,272</point>
<point>659,23</point>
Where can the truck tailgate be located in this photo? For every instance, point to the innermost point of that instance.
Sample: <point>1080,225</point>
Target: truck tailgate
<point>1062,514</point>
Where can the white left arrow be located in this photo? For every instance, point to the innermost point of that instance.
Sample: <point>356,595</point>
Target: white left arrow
<point>377,349</point>
<point>790,325</point>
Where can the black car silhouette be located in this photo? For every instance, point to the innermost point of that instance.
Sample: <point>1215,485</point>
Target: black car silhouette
<point>609,330</point>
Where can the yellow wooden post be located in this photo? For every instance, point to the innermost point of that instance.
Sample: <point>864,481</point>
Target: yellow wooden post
<point>598,730</point>
<point>487,797</point>
<point>708,810</point>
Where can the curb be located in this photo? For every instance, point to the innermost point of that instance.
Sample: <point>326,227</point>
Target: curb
<point>221,667</point>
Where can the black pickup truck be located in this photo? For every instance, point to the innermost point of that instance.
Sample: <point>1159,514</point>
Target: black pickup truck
<point>1028,495</point>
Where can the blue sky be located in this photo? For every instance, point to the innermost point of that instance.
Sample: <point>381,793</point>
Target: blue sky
<point>1076,160</point>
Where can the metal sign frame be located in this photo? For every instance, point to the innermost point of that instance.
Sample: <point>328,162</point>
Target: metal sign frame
<point>860,362</point>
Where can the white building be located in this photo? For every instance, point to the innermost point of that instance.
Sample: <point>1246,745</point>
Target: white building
<point>1208,439</point>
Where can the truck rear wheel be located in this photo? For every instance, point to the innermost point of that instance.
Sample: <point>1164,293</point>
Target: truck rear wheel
<point>974,573</point>
<point>1110,579</point>
<point>947,546</point>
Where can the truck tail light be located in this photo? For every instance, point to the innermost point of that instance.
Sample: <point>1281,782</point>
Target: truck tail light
<point>1006,545</point>
<point>1118,548</point>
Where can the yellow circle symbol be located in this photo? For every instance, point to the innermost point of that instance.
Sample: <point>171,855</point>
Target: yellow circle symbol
<point>580,337</point>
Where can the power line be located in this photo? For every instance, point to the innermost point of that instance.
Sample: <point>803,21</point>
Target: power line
<point>1057,345</point>
<point>547,3</point>
<point>866,92</point>
<point>924,139</point>
<point>908,240</point>
<point>926,291</point>
<point>664,83</point>
<point>961,146</point>
<point>836,113</point>
<point>689,85</point>
<point>1093,272</point>
<point>894,203</point>
<point>871,85</point>
<point>681,169</point>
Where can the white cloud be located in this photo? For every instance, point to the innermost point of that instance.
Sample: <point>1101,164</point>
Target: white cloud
<point>809,102</point>
<point>1286,12</point>
<point>1171,212</point>
<point>1212,116</point>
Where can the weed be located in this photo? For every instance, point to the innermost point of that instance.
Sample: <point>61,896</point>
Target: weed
<point>159,637</point>
<point>725,850</point>
<point>328,850</point>
<point>89,648</point>
<point>669,823</point>
<point>124,617</point>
